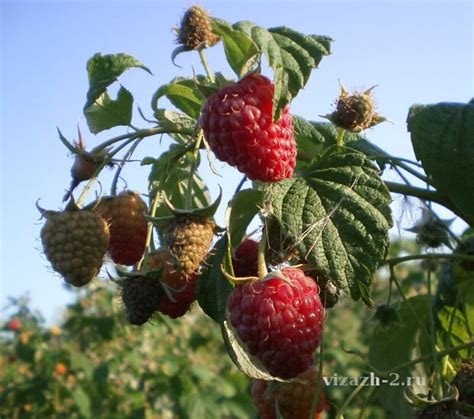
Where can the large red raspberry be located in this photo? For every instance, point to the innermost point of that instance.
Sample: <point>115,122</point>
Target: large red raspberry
<point>128,226</point>
<point>237,123</point>
<point>294,399</point>
<point>279,320</point>
<point>245,261</point>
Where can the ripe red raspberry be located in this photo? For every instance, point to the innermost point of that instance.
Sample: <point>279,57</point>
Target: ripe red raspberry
<point>182,286</point>
<point>237,123</point>
<point>128,226</point>
<point>245,261</point>
<point>294,399</point>
<point>183,299</point>
<point>279,321</point>
<point>14,325</point>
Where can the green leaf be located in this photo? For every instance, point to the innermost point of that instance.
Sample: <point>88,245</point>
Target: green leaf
<point>312,138</point>
<point>182,93</point>
<point>82,401</point>
<point>291,54</point>
<point>213,288</point>
<point>239,48</point>
<point>170,175</point>
<point>454,307</point>
<point>106,113</point>
<point>443,139</point>
<point>243,207</point>
<point>81,362</point>
<point>172,120</point>
<point>338,215</point>
<point>401,335</point>
<point>103,70</point>
<point>246,363</point>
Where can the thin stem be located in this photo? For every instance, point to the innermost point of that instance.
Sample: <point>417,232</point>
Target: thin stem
<point>390,288</point>
<point>340,412</point>
<point>428,206</point>
<point>240,185</point>
<point>413,172</point>
<point>149,233</point>
<point>415,314</point>
<point>437,379</point>
<point>189,190</point>
<point>402,259</point>
<point>202,56</point>
<point>106,161</point>
<point>319,386</point>
<point>142,134</point>
<point>340,137</point>
<point>128,154</point>
<point>439,354</point>
<point>420,193</point>
<point>396,160</point>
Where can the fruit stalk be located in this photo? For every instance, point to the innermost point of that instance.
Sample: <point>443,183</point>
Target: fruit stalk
<point>205,64</point>
<point>340,137</point>
<point>189,190</point>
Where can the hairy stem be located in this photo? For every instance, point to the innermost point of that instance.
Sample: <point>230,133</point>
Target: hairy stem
<point>438,389</point>
<point>149,233</point>
<point>128,154</point>
<point>189,190</point>
<point>421,193</point>
<point>340,137</point>
<point>402,259</point>
<point>142,134</point>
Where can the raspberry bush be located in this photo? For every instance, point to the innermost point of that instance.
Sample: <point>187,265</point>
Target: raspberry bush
<point>315,194</point>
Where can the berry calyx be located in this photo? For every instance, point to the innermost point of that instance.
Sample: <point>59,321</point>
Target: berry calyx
<point>293,399</point>
<point>280,321</point>
<point>355,112</point>
<point>125,214</point>
<point>237,123</point>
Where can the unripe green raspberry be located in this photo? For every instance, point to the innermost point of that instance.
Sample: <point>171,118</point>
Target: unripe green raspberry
<point>75,243</point>
<point>188,239</point>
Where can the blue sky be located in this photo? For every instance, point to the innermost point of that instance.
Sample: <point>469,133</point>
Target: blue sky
<point>416,52</point>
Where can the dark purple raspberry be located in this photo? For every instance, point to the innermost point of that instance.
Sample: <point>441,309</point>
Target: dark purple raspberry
<point>237,123</point>
<point>280,321</point>
<point>245,261</point>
